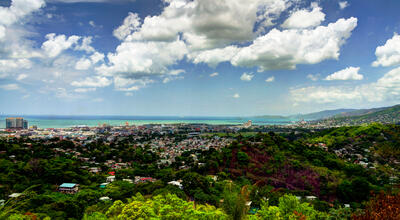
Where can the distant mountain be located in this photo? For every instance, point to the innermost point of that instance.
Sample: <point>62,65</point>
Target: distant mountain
<point>389,114</point>
<point>386,115</point>
<point>311,116</point>
<point>361,112</point>
<point>273,117</point>
<point>323,114</point>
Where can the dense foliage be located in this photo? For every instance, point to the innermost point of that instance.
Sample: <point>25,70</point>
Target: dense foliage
<point>311,175</point>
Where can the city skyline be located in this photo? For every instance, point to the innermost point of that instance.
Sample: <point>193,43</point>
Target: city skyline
<point>197,58</point>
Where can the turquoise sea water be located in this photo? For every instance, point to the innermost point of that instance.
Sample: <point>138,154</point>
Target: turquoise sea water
<point>91,121</point>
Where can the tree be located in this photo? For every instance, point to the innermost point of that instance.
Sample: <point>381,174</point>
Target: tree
<point>382,206</point>
<point>289,208</point>
<point>95,216</point>
<point>243,158</point>
<point>167,206</point>
<point>234,201</point>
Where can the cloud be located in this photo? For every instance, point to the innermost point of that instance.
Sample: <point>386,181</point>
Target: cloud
<point>388,54</point>
<point>86,63</point>
<point>236,96</point>
<point>173,75</point>
<point>215,56</point>
<point>90,1</point>
<point>247,77</point>
<point>127,84</point>
<point>304,18</point>
<point>17,10</point>
<point>171,78</point>
<point>97,81</point>
<point>7,65</point>
<point>204,24</point>
<point>270,79</point>
<point>387,88</point>
<point>83,64</point>
<point>21,77</point>
<point>85,46</point>
<point>131,23</point>
<point>135,59</point>
<point>214,74</point>
<point>84,90</point>
<point>176,72</point>
<point>91,23</point>
<point>343,4</point>
<point>10,87</point>
<point>285,49</point>
<point>57,44</point>
<point>207,23</point>
<point>313,77</point>
<point>15,46</point>
<point>323,95</point>
<point>350,73</point>
<point>225,31</point>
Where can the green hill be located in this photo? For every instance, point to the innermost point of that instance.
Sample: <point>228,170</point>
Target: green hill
<point>386,115</point>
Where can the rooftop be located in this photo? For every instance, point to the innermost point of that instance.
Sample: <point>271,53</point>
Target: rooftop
<point>68,185</point>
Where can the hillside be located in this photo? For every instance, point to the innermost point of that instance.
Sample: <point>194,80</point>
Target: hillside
<point>312,116</point>
<point>324,114</point>
<point>386,115</point>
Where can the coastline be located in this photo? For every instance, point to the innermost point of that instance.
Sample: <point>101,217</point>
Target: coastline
<point>94,121</point>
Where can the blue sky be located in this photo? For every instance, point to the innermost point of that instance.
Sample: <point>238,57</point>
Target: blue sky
<point>197,57</point>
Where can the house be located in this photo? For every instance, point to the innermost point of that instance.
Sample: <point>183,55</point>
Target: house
<point>105,198</point>
<point>110,179</point>
<point>139,179</point>
<point>176,183</point>
<point>15,195</point>
<point>128,180</point>
<point>103,185</point>
<point>70,188</point>
<point>311,197</point>
<point>94,169</point>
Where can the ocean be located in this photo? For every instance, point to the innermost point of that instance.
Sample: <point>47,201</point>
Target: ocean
<point>51,121</point>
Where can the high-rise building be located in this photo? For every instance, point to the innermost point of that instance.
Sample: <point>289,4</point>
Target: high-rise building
<point>16,123</point>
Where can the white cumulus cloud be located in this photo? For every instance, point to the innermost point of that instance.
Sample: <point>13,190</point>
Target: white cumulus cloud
<point>285,49</point>
<point>388,54</point>
<point>134,59</point>
<point>247,77</point>
<point>56,44</point>
<point>97,81</point>
<point>387,88</point>
<point>343,4</point>
<point>131,23</point>
<point>350,73</point>
<point>304,18</point>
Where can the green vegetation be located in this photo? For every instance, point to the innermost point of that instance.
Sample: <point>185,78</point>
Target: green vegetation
<point>258,176</point>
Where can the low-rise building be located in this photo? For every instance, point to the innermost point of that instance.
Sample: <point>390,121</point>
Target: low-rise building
<point>15,195</point>
<point>110,179</point>
<point>70,188</point>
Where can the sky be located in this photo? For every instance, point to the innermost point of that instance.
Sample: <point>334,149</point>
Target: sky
<point>197,57</point>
